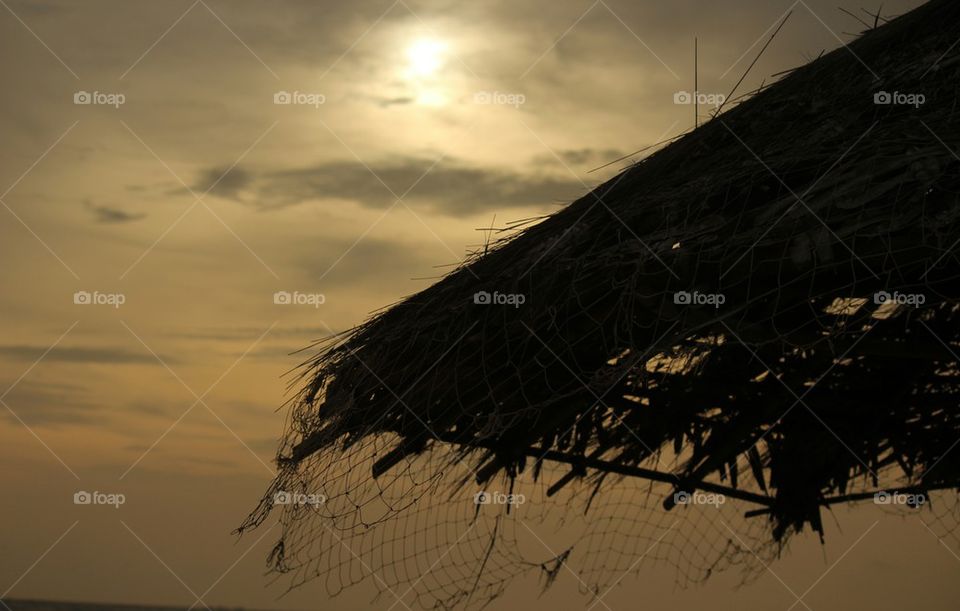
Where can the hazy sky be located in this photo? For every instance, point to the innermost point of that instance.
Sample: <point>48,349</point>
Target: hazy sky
<point>414,124</point>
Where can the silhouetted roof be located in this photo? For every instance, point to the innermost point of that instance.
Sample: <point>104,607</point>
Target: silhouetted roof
<point>772,297</point>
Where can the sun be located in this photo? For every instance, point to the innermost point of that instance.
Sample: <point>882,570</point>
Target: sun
<point>425,57</point>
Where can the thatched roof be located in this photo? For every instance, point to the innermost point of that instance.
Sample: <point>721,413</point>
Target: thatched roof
<point>802,208</point>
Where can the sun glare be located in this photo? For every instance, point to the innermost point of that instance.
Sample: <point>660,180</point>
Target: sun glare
<point>425,57</point>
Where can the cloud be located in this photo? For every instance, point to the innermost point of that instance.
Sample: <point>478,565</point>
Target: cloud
<point>249,334</point>
<point>396,101</point>
<point>50,403</point>
<point>86,355</point>
<point>583,159</point>
<point>590,156</point>
<point>106,214</point>
<point>226,181</point>
<point>343,263</point>
<point>451,187</point>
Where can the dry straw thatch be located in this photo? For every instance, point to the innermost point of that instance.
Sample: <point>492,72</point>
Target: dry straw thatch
<point>803,208</point>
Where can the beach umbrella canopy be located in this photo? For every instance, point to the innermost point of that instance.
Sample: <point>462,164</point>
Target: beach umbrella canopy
<point>765,310</point>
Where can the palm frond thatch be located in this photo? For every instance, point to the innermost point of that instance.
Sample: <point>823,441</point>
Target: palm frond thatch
<point>823,217</point>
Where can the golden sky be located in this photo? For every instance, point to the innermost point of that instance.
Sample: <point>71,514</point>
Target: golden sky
<point>188,190</point>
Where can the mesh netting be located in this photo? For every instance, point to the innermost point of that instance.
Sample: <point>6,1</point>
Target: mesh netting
<point>430,544</point>
<point>766,309</point>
